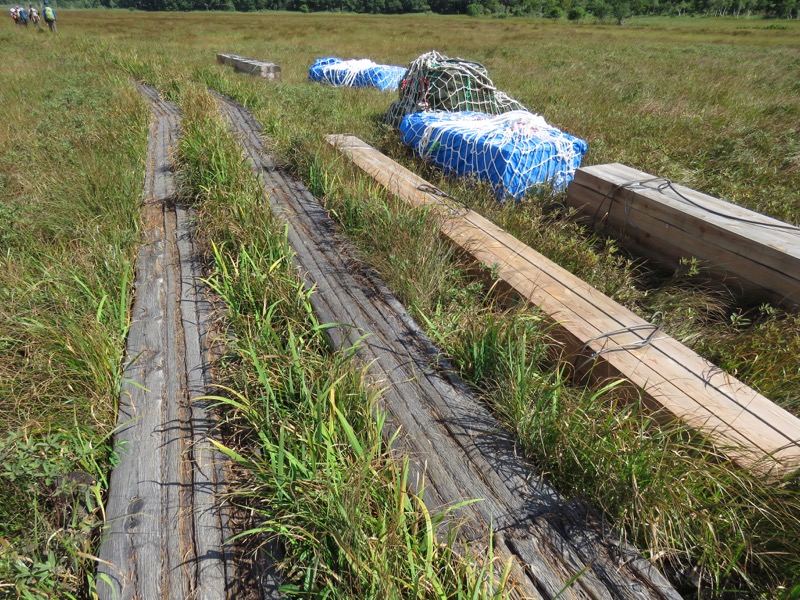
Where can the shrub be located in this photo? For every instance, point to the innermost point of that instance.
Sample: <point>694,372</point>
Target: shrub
<point>576,13</point>
<point>553,12</point>
<point>474,10</point>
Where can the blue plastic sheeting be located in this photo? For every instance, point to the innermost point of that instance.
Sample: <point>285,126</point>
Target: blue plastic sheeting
<point>513,151</point>
<point>356,73</point>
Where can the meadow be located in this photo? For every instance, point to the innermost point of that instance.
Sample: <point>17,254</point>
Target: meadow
<point>710,103</point>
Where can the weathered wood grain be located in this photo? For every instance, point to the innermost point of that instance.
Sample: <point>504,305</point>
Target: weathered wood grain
<point>597,332</point>
<point>165,527</point>
<point>452,440</point>
<point>754,254</point>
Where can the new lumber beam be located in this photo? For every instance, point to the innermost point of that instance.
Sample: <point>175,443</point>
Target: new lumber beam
<point>754,254</point>
<point>596,331</point>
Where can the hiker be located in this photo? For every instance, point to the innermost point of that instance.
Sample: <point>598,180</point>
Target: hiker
<point>49,16</point>
<point>33,15</point>
<point>15,14</point>
<point>23,16</point>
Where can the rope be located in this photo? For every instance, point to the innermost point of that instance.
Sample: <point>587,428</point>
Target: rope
<point>436,82</point>
<point>456,207</point>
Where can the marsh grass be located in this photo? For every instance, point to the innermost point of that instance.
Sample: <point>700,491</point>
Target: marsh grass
<point>691,99</point>
<point>717,531</point>
<point>713,528</point>
<point>72,172</point>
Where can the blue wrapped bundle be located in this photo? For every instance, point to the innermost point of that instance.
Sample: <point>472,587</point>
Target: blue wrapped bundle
<point>513,151</point>
<point>356,73</point>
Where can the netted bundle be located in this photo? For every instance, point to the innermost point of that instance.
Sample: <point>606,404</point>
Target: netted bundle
<point>356,73</point>
<point>513,151</point>
<point>435,82</point>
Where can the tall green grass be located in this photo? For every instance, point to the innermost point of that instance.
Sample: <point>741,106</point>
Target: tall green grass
<point>71,157</point>
<point>717,531</point>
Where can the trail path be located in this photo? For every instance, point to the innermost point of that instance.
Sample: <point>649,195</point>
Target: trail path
<point>451,438</point>
<point>165,527</point>
<point>164,533</point>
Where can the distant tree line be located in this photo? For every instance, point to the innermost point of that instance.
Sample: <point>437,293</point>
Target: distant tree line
<point>604,10</point>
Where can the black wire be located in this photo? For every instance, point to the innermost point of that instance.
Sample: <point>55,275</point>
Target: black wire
<point>460,210</point>
<point>433,190</point>
<point>654,327</point>
<point>668,184</point>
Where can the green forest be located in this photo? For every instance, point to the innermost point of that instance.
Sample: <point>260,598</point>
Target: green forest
<point>615,11</point>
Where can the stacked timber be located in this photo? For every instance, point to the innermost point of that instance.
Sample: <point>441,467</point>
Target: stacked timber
<point>251,66</point>
<point>755,255</point>
<point>603,337</point>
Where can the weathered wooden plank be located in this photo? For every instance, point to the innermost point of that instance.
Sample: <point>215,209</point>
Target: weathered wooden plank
<point>667,222</point>
<point>451,439</point>
<point>651,223</point>
<point>165,530</point>
<point>251,66</point>
<point>208,466</point>
<point>757,433</point>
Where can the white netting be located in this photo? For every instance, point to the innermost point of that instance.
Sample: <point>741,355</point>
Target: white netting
<point>360,72</point>
<point>513,151</point>
<point>435,82</point>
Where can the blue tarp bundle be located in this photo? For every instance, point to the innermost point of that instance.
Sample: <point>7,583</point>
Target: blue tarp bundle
<point>356,73</point>
<point>513,151</point>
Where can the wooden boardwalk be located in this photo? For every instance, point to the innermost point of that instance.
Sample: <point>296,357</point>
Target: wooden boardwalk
<point>165,529</point>
<point>601,335</point>
<point>450,438</point>
<point>753,254</point>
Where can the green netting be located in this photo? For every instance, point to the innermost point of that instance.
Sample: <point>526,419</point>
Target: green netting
<point>435,82</point>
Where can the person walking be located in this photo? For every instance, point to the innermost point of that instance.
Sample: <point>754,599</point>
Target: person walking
<point>33,15</point>
<point>23,16</point>
<point>49,16</point>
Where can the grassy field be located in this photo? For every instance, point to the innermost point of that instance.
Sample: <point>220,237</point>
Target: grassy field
<point>713,104</point>
<point>70,184</point>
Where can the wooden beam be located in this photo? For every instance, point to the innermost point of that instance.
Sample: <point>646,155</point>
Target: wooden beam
<point>251,66</point>
<point>597,332</point>
<point>754,254</point>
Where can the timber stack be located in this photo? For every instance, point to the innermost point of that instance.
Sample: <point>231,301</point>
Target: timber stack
<point>756,256</point>
<point>251,66</point>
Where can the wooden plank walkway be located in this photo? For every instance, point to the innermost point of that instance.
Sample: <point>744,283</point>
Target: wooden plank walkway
<point>599,333</point>
<point>257,68</point>
<point>165,527</point>
<point>753,254</point>
<point>450,438</point>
